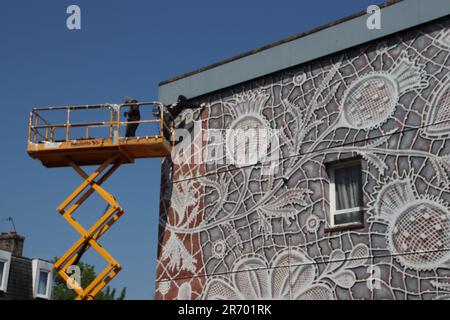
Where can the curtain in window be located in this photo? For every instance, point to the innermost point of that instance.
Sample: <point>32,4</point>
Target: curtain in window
<point>42,287</point>
<point>348,187</point>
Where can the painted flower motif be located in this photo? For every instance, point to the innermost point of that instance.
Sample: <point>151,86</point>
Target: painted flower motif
<point>312,223</point>
<point>303,112</point>
<point>415,224</point>
<point>438,118</point>
<point>183,197</point>
<point>185,292</point>
<point>218,249</point>
<point>283,206</point>
<point>252,278</point>
<point>248,137</point>
<point>179,258</point>
<point>299,78</point>
<point>372,99</point>
<point>164,287</point>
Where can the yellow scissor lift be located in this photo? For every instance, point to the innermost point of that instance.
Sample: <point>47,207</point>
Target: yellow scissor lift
<point>55,146</point>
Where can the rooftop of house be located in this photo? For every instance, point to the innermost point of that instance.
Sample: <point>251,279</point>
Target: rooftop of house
<point>20,277</point>
<point>397,15</point>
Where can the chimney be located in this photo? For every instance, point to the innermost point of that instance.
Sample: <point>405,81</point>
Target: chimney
<point>12,242</point>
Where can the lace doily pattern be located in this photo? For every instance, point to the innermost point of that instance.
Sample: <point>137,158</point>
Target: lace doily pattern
<point>231,231</point>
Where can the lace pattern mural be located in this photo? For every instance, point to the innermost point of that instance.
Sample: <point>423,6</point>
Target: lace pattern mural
<point>233,231</point>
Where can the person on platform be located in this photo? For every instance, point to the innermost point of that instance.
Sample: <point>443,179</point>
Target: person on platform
<point>133,114</point>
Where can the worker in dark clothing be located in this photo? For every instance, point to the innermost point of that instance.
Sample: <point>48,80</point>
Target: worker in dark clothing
<point>133,114</point>
<point>181,104</point>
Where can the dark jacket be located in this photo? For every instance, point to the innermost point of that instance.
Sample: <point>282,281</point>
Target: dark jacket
<point>181,104</point>
<point>133,114</point>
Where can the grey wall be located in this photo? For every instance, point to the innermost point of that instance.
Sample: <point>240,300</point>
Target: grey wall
<point>379,101</point>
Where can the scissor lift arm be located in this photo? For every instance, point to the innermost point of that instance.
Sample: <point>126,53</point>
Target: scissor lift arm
<point>109,153</point>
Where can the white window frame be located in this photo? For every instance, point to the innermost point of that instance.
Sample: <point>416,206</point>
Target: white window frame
<point>5,257</point>
<point>38,267</point>
<point>333,212</point>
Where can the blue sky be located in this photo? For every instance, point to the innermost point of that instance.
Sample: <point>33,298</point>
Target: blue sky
<point>124,49</point>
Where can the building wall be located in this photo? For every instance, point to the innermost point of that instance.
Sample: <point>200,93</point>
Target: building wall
<point>245,234</point>
<point>20,280</point>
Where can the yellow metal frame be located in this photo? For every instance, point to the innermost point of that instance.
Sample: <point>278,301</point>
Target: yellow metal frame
<point>90,237</point>
<point>39,127</point>
<point>109,153</point>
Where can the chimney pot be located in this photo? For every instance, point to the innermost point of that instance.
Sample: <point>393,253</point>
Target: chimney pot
<point>12,242</point>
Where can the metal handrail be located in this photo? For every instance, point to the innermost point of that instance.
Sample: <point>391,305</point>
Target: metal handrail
<point>115,123</point>
<point>40,117</point>
<point>93,124</point>
<point>98,106</point>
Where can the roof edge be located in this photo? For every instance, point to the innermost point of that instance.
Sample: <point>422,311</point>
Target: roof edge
<point>297,50</point>
<point>276,43</point>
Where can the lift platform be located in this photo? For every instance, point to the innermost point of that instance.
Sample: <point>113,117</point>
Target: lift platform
<point>72,143</point>
<point>53,151</point>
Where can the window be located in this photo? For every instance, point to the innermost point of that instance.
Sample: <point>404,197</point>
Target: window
<point>5,262</point>
<point>346,201</point>
<point>42,286</point>
<point>2,267</point>
<point>42,279</point>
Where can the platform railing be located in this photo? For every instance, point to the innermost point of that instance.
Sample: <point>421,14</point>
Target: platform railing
<point>41,130</point>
